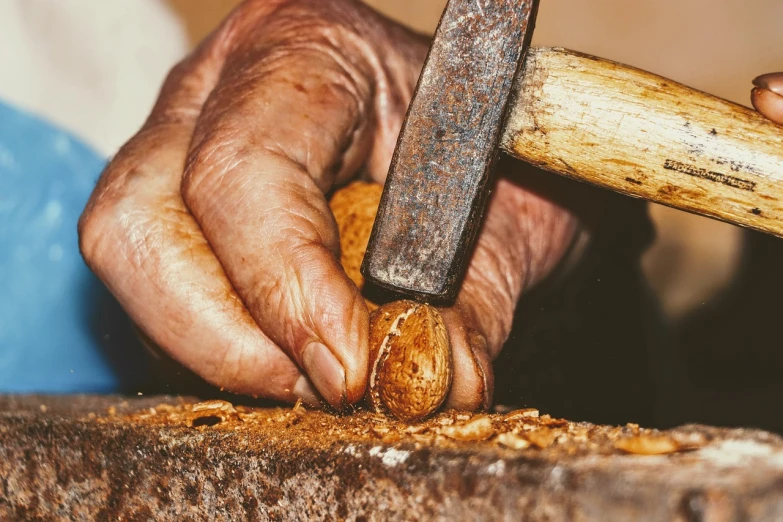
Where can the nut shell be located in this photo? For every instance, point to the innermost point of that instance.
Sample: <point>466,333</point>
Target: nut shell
<point>410,354</point>
<point>410,358</point>
<point>354,207</point>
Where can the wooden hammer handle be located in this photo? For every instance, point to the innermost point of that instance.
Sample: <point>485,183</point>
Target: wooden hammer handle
<point>646,136</point>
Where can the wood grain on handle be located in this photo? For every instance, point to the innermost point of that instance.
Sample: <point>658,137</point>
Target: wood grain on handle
<point>643,135</point>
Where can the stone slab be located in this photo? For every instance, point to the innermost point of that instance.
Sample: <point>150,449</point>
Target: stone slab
<point>165,458</point>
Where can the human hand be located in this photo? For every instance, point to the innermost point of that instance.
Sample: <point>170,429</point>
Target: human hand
<point>211,227</point>
<point>767,96</point>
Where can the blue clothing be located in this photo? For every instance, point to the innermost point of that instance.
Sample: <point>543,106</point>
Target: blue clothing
<point>60,329</point>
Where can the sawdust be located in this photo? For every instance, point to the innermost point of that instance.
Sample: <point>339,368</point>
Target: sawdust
<point>522,430</point>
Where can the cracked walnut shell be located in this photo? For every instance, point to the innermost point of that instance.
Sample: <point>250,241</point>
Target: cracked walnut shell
<point>410,358</point>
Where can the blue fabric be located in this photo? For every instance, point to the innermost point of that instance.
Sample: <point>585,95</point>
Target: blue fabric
<point>60,330</point>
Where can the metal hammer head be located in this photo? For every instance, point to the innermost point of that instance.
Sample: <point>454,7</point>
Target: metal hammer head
<point>438,183</point>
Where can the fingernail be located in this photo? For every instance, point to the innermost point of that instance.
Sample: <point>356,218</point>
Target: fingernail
<point>325,372</point>
<point>772,82</point>
<point>305,391</point>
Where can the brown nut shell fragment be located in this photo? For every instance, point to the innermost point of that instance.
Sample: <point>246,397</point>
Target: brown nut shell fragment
<point>644,444</point>
<point>542,437</point>
<point>478,428</point>
<point>513,441</point>
<point>410,360</point>
<point>354,207</point>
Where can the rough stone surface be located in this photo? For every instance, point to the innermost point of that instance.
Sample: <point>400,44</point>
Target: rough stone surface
<point>163,458</point>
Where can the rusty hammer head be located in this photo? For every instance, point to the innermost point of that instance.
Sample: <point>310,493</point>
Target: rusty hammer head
<point>438,183</point>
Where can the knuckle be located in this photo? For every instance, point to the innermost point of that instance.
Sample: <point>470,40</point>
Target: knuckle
<point>271,294</point>
<point>91,229</point>
<point>187,88</point>
<point>286,293</point>
<point>204,164</point>
<point>97,222</point>
<point>115,232</point>
<point>102,232</point>
<point>210,162</point>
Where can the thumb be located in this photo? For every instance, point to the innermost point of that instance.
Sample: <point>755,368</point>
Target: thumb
<point>767,96</point>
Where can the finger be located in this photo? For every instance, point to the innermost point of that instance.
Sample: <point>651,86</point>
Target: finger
<point>473,381</point>
<point>525,235</point>
<point>138,236</point>
<point>287,120</point>
<point>767,97</point>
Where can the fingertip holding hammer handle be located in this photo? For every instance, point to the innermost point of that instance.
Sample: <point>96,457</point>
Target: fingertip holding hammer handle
<point>637,133</point>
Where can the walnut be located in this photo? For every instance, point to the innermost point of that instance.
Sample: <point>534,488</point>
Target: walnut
<point>410,354</point>
<point>354,208</point>
<point>410,360</point>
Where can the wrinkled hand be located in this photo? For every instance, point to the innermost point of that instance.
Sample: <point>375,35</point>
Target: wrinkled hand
<point>211,226</point>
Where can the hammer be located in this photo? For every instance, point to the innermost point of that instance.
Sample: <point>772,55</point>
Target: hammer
<point>482,89</point>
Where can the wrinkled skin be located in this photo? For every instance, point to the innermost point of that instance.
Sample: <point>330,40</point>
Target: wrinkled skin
<point>212,229</point>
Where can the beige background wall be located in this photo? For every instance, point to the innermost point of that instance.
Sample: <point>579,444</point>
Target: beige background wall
<point>714,45</point>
